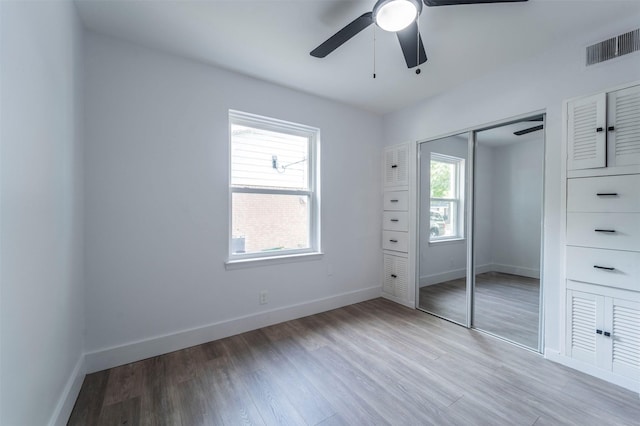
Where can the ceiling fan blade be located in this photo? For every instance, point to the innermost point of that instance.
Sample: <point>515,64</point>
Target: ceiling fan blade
<point>410,42</point>
<point>344,35</point>
<point>529,130</point>
<point>457,2</point>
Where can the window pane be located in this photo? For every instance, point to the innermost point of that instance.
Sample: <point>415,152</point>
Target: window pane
<point>263,158</point>
<point>443,219</point>
<point>269,222</point>
<point>443,179</point>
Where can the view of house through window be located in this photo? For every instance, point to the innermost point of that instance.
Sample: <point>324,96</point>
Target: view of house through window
<point>447,176</point>
<point>273,196</point>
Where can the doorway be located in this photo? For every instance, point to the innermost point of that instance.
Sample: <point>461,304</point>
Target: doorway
<point>480,229</point>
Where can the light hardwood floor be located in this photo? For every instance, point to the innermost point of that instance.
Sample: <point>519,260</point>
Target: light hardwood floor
<point>375,362</point>
<point>506,305</point>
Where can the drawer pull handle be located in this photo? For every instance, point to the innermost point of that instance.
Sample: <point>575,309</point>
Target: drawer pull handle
<point>605,230</point>
<point>599,129</point>
<point>607,334</point>
<point>611,128</point>
<point>393,201</point>
<point>606,268</point>
<point>393,241</point>
<point>394,276</point>
<point>394,220</point>
<point>394,166</point>
<point>607,194</point>
<point>598,331</point>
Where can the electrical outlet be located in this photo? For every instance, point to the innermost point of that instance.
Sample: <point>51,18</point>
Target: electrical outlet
<point>264,297</point>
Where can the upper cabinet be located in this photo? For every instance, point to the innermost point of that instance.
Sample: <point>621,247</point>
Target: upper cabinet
<point>396,165</point>
<point>604,130</point>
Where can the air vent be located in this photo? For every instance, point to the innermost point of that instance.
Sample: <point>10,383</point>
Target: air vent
<point>614,47</point>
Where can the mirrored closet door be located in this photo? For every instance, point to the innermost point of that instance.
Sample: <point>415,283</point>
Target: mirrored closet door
<point>508,184</point>
<point>480,229</point>
<point>442,266</point>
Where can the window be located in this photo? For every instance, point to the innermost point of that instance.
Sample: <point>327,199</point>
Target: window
<point>273,188</point>
<point>446,200</point>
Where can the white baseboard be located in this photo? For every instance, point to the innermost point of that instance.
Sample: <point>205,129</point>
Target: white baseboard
<point>432,279</point>
<point>625,382</point>
<point>410,304</point>
<point>69,395</point>
<point>455,274</point>
<point>142,349</point>
<point>516,270</point>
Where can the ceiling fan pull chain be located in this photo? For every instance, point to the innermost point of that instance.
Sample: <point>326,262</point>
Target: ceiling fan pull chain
<point>374,51</point>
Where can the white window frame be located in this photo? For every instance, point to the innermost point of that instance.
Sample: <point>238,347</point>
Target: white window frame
<point>458,201</point>
<point>313,193</point>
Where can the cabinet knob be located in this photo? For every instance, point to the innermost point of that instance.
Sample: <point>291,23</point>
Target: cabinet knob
<point>599,129</point>
<point>394,220</point>
<point>393,241</point>
<point>611,128</point>
<point>394,166</point>
<point>607,334</point>
<point>598,331</point>
<point>394,276</point>
<point>393,201</point>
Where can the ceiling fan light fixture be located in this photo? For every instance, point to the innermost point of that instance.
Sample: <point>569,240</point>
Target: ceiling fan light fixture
<point>396,15</point>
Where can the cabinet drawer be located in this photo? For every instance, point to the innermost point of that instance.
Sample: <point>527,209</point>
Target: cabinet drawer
<point>395,240</point>
<point>617,231</point>
<point>604,194</point>
<point>396,200</point>
<point>395,221</point>
<point>613,268</point>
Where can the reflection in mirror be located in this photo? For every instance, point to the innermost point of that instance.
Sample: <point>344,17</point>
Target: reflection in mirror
<point>442,246</point>
<point>508,183</point>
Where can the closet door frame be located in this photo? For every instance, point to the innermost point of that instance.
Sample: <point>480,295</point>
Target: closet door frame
<point>470,221</point>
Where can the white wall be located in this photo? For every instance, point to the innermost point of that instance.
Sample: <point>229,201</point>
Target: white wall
<point>156,194</point>
<point>539,84</point>
<point>517,207</point>
<point>41,224</point>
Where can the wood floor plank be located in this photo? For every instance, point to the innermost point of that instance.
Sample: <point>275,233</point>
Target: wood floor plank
<point>126,412</point>
<point>371,363</point>
<point>90,400</point>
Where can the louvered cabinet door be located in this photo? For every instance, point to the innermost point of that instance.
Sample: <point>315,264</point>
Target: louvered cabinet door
<point>624,342</point>
<point>396,277</point>
<point>587,135</point>
<point>396,165</point>
<point>585,316</point>
<point>623,127</point>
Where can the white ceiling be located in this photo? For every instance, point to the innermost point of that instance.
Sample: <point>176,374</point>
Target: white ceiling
<point>271,40</point>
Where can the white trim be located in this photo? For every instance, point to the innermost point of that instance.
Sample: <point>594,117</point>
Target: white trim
<point>625,382</point>
<point>273,260</point>
<point>158,345</point>
<point>69,394</point>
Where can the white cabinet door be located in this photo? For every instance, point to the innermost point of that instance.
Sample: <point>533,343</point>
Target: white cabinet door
<point>396,165</point>
<point>624,342</point>
<point>396,277</point>
<point>585,316</point>
<point>587,135</point>
<point>623,127</point>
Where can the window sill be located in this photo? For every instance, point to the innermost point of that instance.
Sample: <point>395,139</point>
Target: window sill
<point>447,241</point>
<point>271,260</point>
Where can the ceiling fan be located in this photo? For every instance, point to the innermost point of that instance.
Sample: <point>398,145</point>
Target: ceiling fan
<point>398,16</point>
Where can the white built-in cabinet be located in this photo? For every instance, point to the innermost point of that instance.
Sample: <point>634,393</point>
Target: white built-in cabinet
<point>397,281</point>
<point>603,235</point>
<point>604,130</point>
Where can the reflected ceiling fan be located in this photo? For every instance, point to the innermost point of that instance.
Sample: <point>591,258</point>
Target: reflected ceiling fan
<point>398,16</point>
